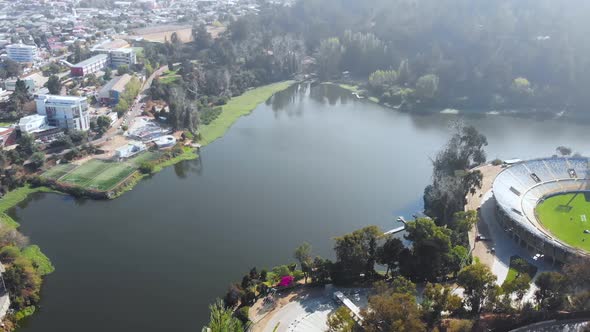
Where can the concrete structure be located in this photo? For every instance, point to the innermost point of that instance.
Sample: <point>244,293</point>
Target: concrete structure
<point>165,141</point>
<point>122,56</point>
<point>91,65</point>
<point>130,150</point>
<point>10,84</point>
<point>21,53</point>
<point>32,123</point>
<point>66,112</point>
<point>519,188</point>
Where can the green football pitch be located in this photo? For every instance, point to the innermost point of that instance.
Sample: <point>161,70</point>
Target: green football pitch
<point>567,216</point>
<point>98,174</point>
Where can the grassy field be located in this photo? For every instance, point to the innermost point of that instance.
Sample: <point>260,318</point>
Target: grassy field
<point>58,171</point>
<point>98,174</point>
<point>169,77</point>
<point>41,261</point>
<point>237,107</point>
<point>567,217</point>
<point>513,271</point>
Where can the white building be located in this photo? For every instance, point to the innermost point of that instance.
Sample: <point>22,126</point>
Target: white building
<point>165,141</point>
<point>90,66</point>
<point>130,150</point>
<point>122,56</point>
<point>32,123</point>
<point>21,52</point>
<point>67,112</point>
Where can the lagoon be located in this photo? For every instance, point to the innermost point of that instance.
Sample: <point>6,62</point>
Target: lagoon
<point>310,164</point>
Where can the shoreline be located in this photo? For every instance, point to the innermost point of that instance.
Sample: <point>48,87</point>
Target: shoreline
<point>236,107</point>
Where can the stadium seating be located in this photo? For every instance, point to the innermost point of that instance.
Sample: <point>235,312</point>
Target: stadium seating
<point>517,193</point>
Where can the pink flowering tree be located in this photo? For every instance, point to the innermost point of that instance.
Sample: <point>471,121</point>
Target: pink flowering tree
<point>286,281</point>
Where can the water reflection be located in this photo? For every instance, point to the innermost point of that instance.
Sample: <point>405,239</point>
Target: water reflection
<point>184,168</point>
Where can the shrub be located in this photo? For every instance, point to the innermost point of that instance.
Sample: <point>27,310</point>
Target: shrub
<point>210,114</point>
<point>298,275</point>
<point>146,168</point>
<point>497,162</point>
<point>243,314</point>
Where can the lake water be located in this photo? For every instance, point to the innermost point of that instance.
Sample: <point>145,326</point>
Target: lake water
<point>309,165</point>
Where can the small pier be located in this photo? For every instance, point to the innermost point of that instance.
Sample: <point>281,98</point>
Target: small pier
<point>398,229</point>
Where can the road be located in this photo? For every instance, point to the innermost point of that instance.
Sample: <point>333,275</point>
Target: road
<point>135,110</point>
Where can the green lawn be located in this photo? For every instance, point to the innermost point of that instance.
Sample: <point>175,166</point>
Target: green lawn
<point>111,176</point>
<point>99,174</point>
<point>530,269</point>
<point>43,264</point>
<point>566,217</point>
<point>237,107</point>
<point>145,157</point>
<point>169,79</point>
<point>58,171</point>
<point>85,173</point>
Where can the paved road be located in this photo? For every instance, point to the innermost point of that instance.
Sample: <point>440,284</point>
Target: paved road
<point>506,247</point>
<point>310,312</point>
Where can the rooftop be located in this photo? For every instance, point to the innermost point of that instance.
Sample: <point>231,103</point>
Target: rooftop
<point>92,60</point>
<point>121,83</point>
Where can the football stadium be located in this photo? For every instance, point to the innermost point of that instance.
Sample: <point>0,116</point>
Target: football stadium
<point>544,205</point>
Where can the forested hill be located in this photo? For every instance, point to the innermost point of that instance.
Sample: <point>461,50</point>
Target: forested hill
<point>469,53</point>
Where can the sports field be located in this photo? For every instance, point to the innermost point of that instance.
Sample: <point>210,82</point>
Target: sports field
<point>567,216</point>
<point>98,174</point>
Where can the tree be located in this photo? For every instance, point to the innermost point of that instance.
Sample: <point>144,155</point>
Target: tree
<point>26,144</point>
<point>303,256</point>
<point>452,179</point>
<point>462,223</point>
<point>103,123</point>
<point>356,252</point>
<point>329,55</point>
<point>107,74</point>
<point>232,297</point>
<point>341,320</point>
<point>122,70</point>
<point>37,160</point>
<point>392,312</point>
<point>563,150</point>
<point>427,86</point>
<point>402,285</point>
<point>19,97</point>
<point>389,253</point>
<point>10,68</point>
<point>438,298</point>
<point>381,79</point>
<point>477,280</point>
<point>518,286</point>
<point>201,37</point>
<point>551,288</point>
<point>54,85</point>
<point>321,270</point>
<point>430,250</point>
<point>221,319</point>
<point>149,70</point>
